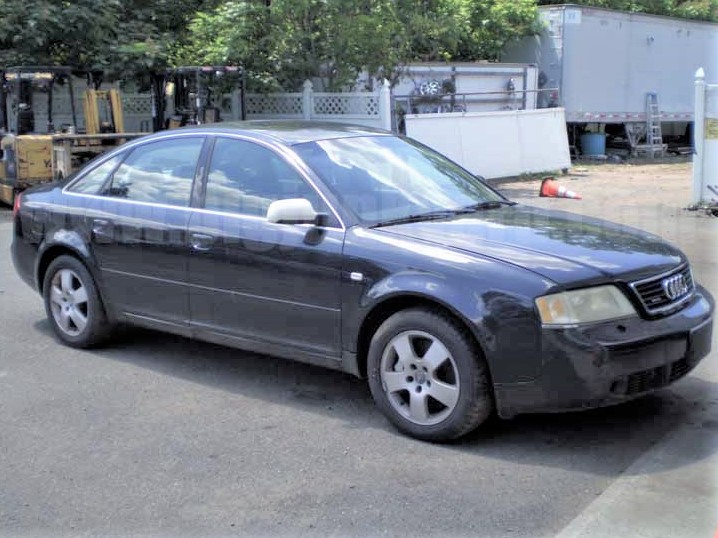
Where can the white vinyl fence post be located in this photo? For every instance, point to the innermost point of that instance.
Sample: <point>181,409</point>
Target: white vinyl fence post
<point>385,105</point>
<point>698,135</point>
<point>308,99</point>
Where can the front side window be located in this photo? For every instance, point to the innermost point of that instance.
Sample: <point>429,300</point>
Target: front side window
<point>244,178</point>
<point>159,172</point>
<point>380,178</point>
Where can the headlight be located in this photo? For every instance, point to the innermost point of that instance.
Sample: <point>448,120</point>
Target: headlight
<point>584,306</point>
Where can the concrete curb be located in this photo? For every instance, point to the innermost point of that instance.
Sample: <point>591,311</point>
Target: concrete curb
<point>670,491</point>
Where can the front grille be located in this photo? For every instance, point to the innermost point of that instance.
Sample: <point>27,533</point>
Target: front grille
<point>646,380</point>
<point>678,370</point>
<point>652,294</point>
<point>651,379</point>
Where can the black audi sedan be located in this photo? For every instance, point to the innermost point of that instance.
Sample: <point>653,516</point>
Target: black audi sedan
<point>365,252</point>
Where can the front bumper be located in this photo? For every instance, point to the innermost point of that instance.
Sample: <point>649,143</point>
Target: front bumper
<point>609,363</point>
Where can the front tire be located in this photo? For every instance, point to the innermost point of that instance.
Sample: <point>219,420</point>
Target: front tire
<point>73,305</point>
<point>428,376</point>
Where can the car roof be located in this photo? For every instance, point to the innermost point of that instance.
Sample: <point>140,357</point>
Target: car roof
<point>287,132</point>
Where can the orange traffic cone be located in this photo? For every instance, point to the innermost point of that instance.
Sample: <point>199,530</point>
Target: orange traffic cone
<point>551,188</point>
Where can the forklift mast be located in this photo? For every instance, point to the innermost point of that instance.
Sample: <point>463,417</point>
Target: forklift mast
<point>3,103</point>
<point>19,83</point>
<point>29,157</point>
<point>192,90</point>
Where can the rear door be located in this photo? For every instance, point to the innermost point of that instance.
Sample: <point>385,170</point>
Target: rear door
<point>255,280</point>
<point>138,227</point>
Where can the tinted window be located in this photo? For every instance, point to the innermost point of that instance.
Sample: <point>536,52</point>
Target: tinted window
<point>92,182</point>
<point>245,177</point>
<point>159,172</point>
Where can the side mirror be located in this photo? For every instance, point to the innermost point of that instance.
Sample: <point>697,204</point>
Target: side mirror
<point>294,211</point>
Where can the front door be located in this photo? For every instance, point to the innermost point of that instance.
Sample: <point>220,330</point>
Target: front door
<point>259,281</point>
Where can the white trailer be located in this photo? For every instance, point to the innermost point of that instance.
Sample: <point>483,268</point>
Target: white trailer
<point>605,64</point>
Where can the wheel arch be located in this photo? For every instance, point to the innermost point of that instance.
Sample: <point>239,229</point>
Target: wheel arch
<point>52,250</point>
<point>97,325</point>
<point>389,306</point>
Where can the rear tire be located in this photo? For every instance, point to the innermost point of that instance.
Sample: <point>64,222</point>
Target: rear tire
<point>73,305</point>
<point>428,377</point>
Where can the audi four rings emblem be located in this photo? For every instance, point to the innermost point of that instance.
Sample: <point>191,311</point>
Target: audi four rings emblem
<point>675,286</point>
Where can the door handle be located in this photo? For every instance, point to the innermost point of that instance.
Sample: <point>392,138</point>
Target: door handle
<point>99,224</point>
<point>201,241</point>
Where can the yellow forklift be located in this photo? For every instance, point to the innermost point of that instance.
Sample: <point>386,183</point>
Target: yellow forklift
<point>33,153</point>
<point>195,91</point>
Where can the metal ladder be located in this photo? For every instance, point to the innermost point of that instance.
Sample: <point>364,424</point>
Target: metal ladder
<point>654,135</point>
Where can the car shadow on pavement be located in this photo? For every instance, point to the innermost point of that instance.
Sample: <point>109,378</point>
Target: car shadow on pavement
<point>237,371</point>
<point>601,441</point>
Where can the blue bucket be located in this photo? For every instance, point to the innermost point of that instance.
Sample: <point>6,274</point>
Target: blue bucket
<point>593,143</point>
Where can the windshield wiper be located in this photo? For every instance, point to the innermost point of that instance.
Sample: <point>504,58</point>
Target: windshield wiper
<point>444,213</point>
<point>490,204</point>
<point>430,215</point>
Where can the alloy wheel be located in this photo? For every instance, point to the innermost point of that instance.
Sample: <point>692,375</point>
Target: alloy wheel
<point>69,302</point>
<point>420,377</point>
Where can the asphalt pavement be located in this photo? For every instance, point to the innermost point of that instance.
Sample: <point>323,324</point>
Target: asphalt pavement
<point>156,435</point>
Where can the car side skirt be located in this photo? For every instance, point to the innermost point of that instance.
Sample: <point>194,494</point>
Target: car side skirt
<point>240,342</point>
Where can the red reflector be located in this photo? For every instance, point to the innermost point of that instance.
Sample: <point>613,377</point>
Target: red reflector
<point>16,204</point>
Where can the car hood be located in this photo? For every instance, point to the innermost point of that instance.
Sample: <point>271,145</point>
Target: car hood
<point>558,245</point>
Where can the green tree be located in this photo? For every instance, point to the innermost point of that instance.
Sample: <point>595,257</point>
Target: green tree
<point>283,44</point>
<point>435,30</point>
<point>48,32</point>
<point>496,23</point>
<point>232,33</point>
<point>289,41</point>
<point>706,10</point>
<point>122,36</point>
<point>149,34</point>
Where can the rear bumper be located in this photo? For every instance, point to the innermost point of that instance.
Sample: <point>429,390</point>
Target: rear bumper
<point>24,255</point>
<point>613,362</point>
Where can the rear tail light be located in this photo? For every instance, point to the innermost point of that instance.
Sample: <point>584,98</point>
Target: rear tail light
<point>16,204</point>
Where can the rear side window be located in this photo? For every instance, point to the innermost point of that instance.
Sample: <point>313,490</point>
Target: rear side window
<point>159,172</point>
<point>92,182</point>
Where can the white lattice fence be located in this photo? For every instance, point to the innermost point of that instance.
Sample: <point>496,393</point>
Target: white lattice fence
<point>137,104</point>
<point>370,109</point>
<point>137,112</point>
<point>279,105</point>
<point>355,104</point>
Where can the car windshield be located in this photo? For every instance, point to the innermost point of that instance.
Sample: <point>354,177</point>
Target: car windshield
<point>385,180</point>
